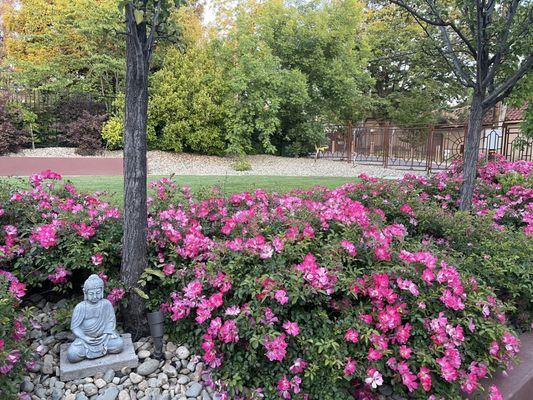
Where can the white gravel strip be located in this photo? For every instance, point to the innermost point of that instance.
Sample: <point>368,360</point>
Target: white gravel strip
<point>165,163</point>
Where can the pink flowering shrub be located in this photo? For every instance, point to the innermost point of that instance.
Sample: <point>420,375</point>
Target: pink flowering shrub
<point>313,295</point>
<point>504,190</point>
<point>51,230</point>
<point>493,243</point>
<point>13,330</point>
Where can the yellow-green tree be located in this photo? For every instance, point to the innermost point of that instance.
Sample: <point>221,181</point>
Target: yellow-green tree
<point>57,44</point>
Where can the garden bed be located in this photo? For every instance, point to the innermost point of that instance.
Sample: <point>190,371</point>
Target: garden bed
<point>376,288</point>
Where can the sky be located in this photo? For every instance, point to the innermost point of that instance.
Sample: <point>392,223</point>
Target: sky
<point>209,12</point>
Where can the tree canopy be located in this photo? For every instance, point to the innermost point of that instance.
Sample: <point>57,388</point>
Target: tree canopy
<point>266,76</point>
<point>409,85</point>
<point>58,44</point>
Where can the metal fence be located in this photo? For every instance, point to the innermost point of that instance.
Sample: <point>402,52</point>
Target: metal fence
<point>421,147</point>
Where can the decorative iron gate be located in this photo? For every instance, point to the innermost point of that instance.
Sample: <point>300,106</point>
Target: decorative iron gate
<point>420,147</point>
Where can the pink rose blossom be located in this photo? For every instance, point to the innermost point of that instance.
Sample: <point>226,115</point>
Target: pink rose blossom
<point>494,393</point>
<point>59,276</point>
<point>281,297</point>
<point>168,269</point>
<point>97,259</point>
<point>116,295</point>
<point>276,348</point>
<point>351,336</point>
<point>291,328</point>
<point>349,368</point>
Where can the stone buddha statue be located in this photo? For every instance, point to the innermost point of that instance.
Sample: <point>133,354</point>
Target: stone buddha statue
<point>93,324</point>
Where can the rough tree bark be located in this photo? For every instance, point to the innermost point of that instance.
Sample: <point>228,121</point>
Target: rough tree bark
<point>473,138</point>
<point>134,249</point>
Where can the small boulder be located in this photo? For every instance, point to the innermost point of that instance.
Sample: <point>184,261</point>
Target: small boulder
<point>148,367</point>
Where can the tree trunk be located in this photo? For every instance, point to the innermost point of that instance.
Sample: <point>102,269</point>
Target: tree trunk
<point>134,249</point>
<point>473,138</point>
<point>32,138</point>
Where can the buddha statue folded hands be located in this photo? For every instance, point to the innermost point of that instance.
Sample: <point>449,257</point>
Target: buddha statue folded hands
<point>93,323</point>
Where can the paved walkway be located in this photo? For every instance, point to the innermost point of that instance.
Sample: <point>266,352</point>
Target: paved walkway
<point>72,166</point>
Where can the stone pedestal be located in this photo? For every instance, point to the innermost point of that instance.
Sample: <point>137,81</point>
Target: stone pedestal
<point>126,358</point>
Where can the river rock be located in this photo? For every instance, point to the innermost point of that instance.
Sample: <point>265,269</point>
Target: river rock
<point>48,365</point>
<point>135,378</point>
<point>26,385</point>
<point>148,367</point>
<point>110,393</point>
<point>90,389</point>
<point>109,375</point>
<point>183,352</point>
<point>193,390</point>
<point>143,354</point>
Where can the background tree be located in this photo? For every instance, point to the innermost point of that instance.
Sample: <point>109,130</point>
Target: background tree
<point>187,102</point>
<point>326,41</point>
<point>58,44</point>
<point>409,86</point>
<point>487,45</point>
<point>257,83</point>
<point>293,68</point>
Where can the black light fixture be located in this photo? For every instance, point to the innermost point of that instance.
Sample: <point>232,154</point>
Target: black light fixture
<point>157,330</point>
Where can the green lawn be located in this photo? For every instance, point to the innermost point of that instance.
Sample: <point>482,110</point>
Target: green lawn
<point>113,185</point>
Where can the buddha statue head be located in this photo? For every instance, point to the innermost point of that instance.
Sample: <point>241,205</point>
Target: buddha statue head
<point>93,289</point>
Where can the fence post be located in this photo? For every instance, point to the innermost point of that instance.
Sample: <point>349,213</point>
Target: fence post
<point>386,141</point>
<point>429,150</point>
<point>462,149</point>
<point>349,137</point>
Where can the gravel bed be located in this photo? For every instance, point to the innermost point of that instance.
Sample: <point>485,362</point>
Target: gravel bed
<point>179,376</point>
<point>165,163</point>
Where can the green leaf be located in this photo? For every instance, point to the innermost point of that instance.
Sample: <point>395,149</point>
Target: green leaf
<point>140,293</point>
<point>139,16</point>
<point>155,272</point>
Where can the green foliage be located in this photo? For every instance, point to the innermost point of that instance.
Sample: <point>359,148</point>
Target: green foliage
<point>254,89</point>
<point>242,164</point>
<point>187,103</point>
<point>113,133</point>
<point>513,179</point>
<point>409,86</point>
<point>323,45</point>
<point>58,44</point>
